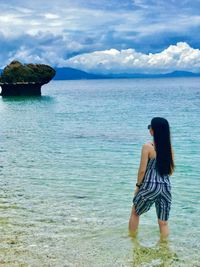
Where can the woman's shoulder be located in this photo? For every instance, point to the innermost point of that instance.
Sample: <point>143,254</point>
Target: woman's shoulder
<point>150,148</point>
<point>147,145</point>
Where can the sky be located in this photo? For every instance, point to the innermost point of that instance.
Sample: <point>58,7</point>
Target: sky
<point>113,36</point>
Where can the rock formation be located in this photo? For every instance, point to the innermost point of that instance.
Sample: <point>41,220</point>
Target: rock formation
<point>25,79</point>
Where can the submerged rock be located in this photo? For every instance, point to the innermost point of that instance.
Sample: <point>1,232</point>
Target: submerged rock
<point>24,79</point>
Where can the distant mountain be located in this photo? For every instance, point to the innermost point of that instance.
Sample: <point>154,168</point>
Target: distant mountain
<point>143,75</point>
<point>75,74</point>
<point>181,74</point>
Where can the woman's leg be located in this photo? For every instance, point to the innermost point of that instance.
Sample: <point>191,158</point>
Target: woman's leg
<point>164,229</point>
<point>163,206</point>
<point>133,222</point>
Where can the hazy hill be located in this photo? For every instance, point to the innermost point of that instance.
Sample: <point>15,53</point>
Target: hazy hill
<point>75,74</point>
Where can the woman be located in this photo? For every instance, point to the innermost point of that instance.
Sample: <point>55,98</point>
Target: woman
<point>153,183</point>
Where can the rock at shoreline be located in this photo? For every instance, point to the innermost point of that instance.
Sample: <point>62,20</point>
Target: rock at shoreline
<point>25,79</point>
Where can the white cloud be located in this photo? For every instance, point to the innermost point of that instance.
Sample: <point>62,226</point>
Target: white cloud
<point>68,17</point>
<point>53,54</point>
<point>176,57</point>
<point>51,16</point>
<point>53,31</point>
<point>25,55</point>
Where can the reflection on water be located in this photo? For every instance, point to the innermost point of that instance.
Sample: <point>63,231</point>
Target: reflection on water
<point>25,99</point>
<point>160,255</point>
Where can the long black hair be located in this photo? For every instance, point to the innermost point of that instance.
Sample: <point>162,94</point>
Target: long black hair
<point>162,140</point>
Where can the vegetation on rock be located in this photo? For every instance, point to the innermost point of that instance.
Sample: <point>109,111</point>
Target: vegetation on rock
<point>16,72</point>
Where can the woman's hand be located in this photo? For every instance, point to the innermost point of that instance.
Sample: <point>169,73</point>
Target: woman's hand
<point>136,190</point>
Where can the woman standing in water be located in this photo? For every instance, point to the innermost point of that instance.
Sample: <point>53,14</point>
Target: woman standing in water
<point>153,183</point>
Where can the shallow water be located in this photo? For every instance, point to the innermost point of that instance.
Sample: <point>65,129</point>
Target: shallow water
<point>69,162</point>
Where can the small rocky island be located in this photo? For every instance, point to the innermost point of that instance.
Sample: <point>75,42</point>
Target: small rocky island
<point>19,79</point>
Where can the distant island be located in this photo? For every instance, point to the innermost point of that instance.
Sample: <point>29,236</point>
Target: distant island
<point>75,74</point>
<point>19,79</point>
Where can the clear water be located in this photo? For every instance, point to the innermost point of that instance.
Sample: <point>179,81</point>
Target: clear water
<point>69,163</point>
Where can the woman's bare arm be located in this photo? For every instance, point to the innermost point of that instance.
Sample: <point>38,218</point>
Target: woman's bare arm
<point>143,163</point>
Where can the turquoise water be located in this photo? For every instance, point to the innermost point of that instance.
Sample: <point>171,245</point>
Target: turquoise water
<point>69,163</point>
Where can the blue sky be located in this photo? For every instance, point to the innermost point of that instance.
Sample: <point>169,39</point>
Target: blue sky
<point>135,35</point>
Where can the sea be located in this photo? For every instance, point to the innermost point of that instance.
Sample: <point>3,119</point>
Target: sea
<point>68,167</point>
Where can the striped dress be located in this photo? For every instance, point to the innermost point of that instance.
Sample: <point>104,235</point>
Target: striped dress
<point>155,189</point>
<point>153,176</point>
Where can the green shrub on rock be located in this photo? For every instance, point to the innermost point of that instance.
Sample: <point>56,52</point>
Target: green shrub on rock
<point>16,72</point>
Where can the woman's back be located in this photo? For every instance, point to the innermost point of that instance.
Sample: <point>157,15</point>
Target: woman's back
<point>151,173</point>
